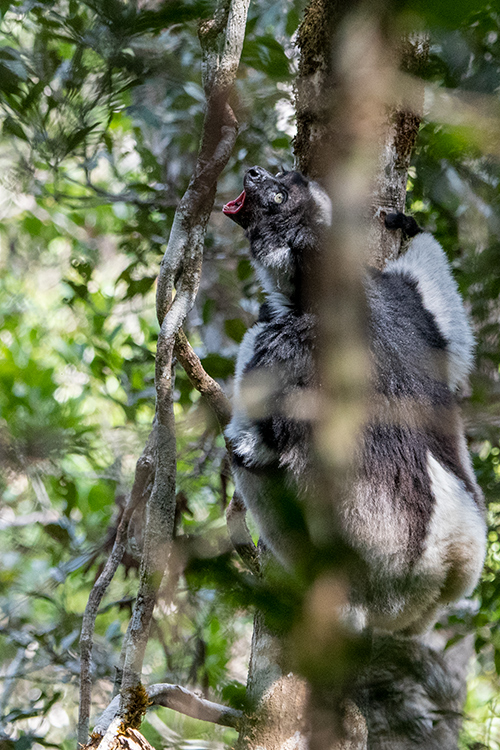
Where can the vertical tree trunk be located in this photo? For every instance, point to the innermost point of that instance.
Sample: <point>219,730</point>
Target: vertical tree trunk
<point>353,132</point>
<point>279,720</point>
<point>414,691</point>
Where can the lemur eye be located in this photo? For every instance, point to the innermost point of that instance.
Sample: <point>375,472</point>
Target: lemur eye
<point>279,197</point>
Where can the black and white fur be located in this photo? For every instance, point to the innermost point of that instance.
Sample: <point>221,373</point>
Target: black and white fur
<point>414,513</point>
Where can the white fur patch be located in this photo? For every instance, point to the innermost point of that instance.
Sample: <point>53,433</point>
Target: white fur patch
<point>456,540</point>
<point>297,742</point>
<point>373,527</point>
<point>279,257</point>
<point>274,280</point>
<point>247,442</point>
<point>323,202</point>
<point>426,262</point>
<point>242,431</point>
<point>279,304</point>
<point>245,354</point>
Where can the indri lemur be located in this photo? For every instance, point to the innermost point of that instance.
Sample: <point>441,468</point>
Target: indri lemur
<point>414,512</point>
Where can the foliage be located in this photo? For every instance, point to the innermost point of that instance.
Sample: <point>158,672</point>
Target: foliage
<point>102,107</point>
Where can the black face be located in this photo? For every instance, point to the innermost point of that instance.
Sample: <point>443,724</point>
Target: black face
<point>284,218</point>
<point>266,197</point>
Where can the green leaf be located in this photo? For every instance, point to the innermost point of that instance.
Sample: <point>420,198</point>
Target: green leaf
<point>235,329</point>
<point>5,5</point>
<point>12,127</point>
<point>267,55</point>
<point>235,693</point>
<point>101,495</point>
<point>244,270</point>
<point>218,366</point>
<point>58,532</point>
<point>139,286</point>
<point>281,142</point>
<point>444,12</point>
<point>209,308</point>
<point>79,136</point>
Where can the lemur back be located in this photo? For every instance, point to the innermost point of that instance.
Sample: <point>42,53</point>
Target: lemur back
<point>414,512</point>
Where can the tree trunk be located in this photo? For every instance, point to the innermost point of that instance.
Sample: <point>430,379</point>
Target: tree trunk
<point>357,134</point>
<point>279,718</point>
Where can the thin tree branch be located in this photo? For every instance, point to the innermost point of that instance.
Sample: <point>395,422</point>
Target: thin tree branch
<point>220,405</point>
<point>201,380</point>
<point>143,473</point>
<point>181,266</point>
<point>178,699</point>
<point>240,535</point>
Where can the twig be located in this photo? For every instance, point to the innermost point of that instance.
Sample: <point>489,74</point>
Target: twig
<point>143,472</point>
<point>12,674</point>
<point>41,517</point>
<point>178,699</point>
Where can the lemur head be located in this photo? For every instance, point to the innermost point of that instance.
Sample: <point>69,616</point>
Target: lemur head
<point>284,217</point>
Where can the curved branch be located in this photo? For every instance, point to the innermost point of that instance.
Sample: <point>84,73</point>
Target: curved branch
<point>220,405</point>
<point>201,380</point>
<point>190,704</point>
<point>178,699</point>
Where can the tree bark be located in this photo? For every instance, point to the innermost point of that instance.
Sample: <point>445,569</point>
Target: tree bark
<point>279,717</point>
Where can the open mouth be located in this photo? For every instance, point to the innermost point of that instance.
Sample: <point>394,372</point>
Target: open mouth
<point>234,207</point>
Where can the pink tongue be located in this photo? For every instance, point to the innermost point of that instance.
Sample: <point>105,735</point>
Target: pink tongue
<point>234,206</point>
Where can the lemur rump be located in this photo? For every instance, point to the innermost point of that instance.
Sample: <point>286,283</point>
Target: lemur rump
<point>414,512</point>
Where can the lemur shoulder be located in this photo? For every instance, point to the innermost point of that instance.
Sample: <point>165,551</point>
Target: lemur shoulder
<point>414,513</point>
